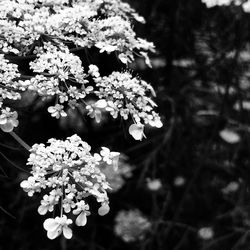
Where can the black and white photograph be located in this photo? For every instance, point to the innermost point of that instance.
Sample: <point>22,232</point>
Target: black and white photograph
<point>124,125</point>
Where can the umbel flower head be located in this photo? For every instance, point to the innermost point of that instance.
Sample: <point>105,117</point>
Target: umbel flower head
<point>127,96</point>
<point>131,225</point>
<point>68,173</point>
<point>9,90</point>
<point>48,34</point>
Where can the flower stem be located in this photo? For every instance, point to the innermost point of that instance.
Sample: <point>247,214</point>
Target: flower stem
<point>19,140</point>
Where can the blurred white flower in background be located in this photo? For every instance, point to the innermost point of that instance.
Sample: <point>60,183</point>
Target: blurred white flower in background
<point>212,3</point>
<point>116,176</point>
<point>229,136</point>
<point>131,225</point>
<point>206,233</point>
<point>232,187</point>
<point>179,181</point>
<point>154,184</point>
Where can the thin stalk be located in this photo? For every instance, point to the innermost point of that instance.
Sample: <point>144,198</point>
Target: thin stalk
<point>20,141</point>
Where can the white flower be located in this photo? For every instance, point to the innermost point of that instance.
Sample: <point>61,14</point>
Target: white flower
<point>131,225</point>
<point>57,111</point>
<point>179,181</point>
<point>108,156</point>
<point>57,226</point>
<point>81,219</point>
<point>8,120</point>
<point>82,212</point>
<point>136,130</point>
<point>231,187</point>
<point>229,136</point>
<point>60,63</point>
<point>154,184</point>
<point>246,6</point>
<point>206,233</point>
<point>104,209</point>
<point>128,96</point>
<point>101,104</point>
<point>69,173</point>
<point>212,3</point>
<point>94,70</point>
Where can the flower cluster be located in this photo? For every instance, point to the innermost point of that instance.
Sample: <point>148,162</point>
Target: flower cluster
<point>131,225</point>
<point>211,3</point>
<point>154,184</point>
<point>115,34</point>
<point>49,36</point>
<point>60,73</point>
<point>49,32</point>
<point>25,25</point>
<point>110,8</point>
<point>9,90</point>
<point>69,173</point>
<point>123,94</point>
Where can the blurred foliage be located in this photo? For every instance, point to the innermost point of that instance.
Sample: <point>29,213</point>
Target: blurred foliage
<point>201,74</point>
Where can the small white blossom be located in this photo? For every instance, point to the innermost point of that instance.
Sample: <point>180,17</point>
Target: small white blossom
<point>57,111</point>
<point>82,212</point>
<point>8,120</point>
<point>154,184</point>
<point>136,130</point>
<point>179,181</point>
<point>206,233</point>
<point>229,136</point>
<point>232,187</point>
<point>57,226</point>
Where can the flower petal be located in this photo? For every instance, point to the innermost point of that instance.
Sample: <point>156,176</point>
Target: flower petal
<point>53,234</point>
<point>136,130</point>
<point>7,127</point>
<point>42,210</point>
<point>103,210</point>
<point>81,219</point>
<point>67,232</point>
<point>50,224</point>
<point>101,104</point>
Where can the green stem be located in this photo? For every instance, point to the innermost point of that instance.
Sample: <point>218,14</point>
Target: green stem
<point>19,140</point>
